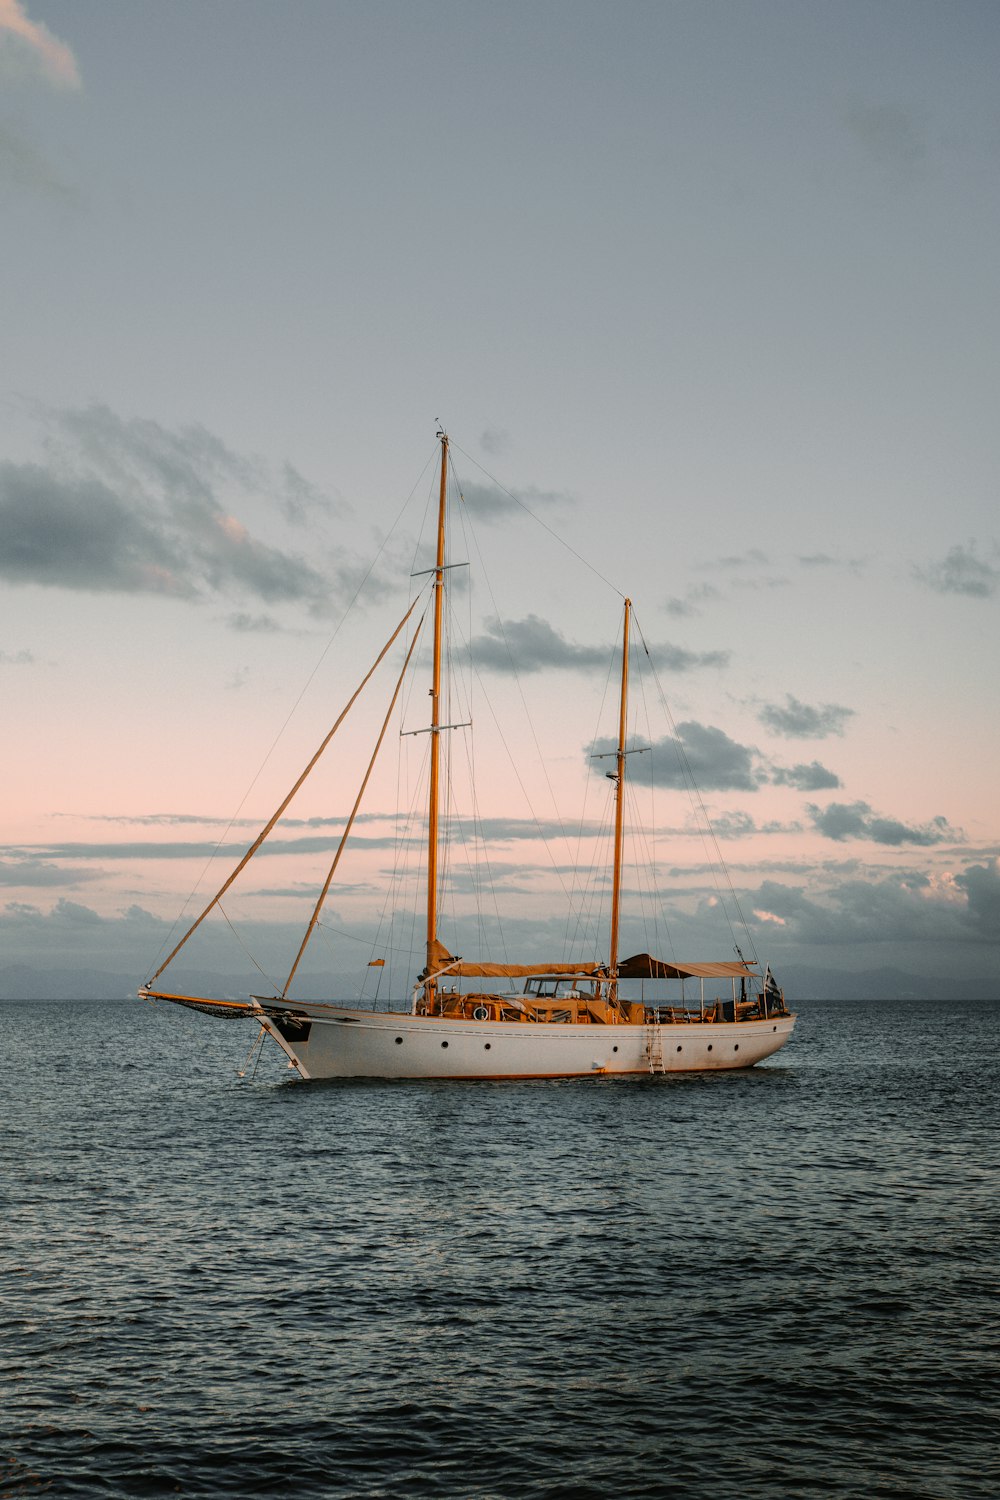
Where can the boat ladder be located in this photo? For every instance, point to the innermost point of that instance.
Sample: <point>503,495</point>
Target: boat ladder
<point>654,1050</point>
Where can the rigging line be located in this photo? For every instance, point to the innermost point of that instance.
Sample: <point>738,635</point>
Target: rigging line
<point>695,793</point>
<point>294,708</point>
<point>576,880</point>
<point>236,934</point>
<point>527,715</point>
<point>268,827</point>
<point>352,937</point>
<point>490,882</point>
<point>650,842</point>
<point>404,840</point>
<point>354,811</point>
<point>591,768</point>
<point>524,791</point>
<point>545,527</point>
<point>477,852</point>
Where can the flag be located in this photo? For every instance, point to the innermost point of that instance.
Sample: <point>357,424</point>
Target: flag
<point>376,963</point>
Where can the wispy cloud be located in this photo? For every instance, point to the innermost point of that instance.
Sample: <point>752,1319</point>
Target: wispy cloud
<point>34,46</point>
<point>303,500</point>
<point>533,645</point>
<point>129,506</point>
<point>889,135</point>
<point>42,872</point>
<point>962,571</point>
<point>199,849</point>
<point>253,624</point>
<point>692,601</point>
<point>857,820</point>
<point>816,560</point>
<point>804,721</point>
<point>16,659</point>
<point>24,165</point>
<point>738,561</point>
<point>494,440</point>
<point>488,502</point>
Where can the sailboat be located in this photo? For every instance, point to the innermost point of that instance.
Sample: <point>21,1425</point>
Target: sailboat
<point>604,1014</point>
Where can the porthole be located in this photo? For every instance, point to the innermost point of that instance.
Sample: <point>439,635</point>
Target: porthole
<point>710,1046</point>
<point>774,1028</point>
<point>680,1049</point>
<point>614,1049</point>
<point>399,1041</point>
<point>486,1047</point>
<point>736,1047</point>
<point>444,1044</point>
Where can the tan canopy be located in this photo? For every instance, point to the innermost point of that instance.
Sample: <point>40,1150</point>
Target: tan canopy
<point>639,966</point>
<point>644,966</point>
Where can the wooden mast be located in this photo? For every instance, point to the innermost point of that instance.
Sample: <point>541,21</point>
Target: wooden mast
<point>435,772</point>
<point>616,889</point>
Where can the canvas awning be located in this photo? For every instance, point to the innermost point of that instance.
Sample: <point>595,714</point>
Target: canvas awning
<point>645,966</point>
<point>639,966</point>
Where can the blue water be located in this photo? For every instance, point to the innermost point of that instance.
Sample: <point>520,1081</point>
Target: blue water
<point>779,1283</point>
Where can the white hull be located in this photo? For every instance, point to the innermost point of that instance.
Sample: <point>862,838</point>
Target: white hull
<point>332,1041</point>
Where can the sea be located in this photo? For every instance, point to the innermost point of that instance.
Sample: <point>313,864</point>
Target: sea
<point>774,1283</point>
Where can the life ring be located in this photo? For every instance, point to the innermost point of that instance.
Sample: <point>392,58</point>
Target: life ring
<point>480,1013</point>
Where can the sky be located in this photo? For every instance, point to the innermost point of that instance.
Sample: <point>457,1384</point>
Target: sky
<point>706,296</point>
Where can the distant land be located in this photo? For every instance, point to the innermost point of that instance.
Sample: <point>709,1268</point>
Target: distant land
<point>26,982</point>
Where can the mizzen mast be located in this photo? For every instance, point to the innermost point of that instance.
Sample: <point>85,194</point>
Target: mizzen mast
<point>619,780</point>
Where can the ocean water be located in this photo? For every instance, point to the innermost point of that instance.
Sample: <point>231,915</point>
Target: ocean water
<point>779,1283</point>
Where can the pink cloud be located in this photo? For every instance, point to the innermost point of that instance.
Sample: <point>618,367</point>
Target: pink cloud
<point>56,59</point>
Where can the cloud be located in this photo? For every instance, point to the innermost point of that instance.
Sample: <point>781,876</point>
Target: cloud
<point>509,830</point>
<point>16,659</point>
<point>803,721</point>
<point>494,440</point>
<point>744,570</point>
<point>961,572</point>
<point>806,778</point>
<point>131,507</point>
<point>34,43</point>
<point>825,560</point>
<point>199,849</point>
<point>488,502</point>
<point>888,134</point>
<point>22,165</point>
<point>692,600</point>
<point>842,820</point>
<point>253,624</point>
<point>302,499</point>
<point>533,645</point>
<point>80,535</point>
<point>41,872</point>
<point>904,907</point>
<point>699,753</point>
<point>752,558</point>
<point>981,885</point>
<point>734,825</point>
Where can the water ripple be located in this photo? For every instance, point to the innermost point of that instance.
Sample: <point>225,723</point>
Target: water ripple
<point>768,1285</point>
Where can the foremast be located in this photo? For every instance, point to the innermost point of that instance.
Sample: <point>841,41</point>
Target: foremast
<point>434,794</point>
